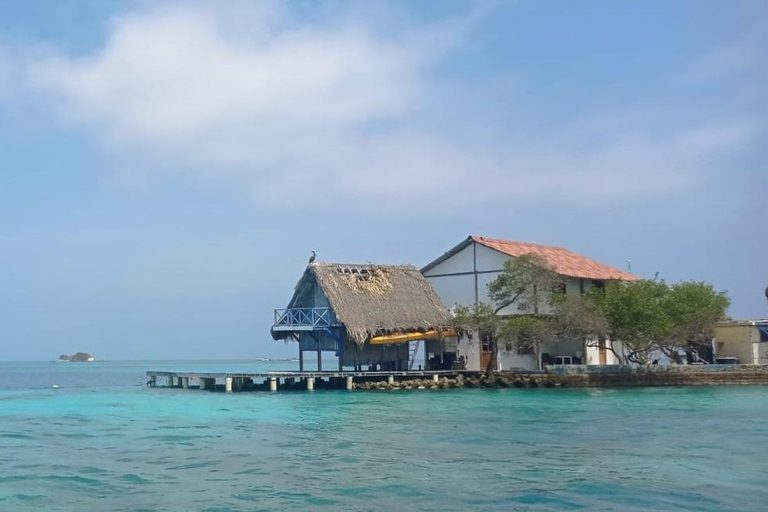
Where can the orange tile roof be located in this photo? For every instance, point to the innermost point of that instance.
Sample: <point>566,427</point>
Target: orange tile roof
<point>562,260</point>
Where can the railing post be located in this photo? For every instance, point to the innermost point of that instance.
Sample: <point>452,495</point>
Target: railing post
<point>315,317</point>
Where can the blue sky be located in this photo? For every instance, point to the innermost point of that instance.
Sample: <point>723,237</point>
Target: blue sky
<point>166,168</point>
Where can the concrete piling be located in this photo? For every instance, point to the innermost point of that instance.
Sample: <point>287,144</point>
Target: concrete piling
<point>349,380</point>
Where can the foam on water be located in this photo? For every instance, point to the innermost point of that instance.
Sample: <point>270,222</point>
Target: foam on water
<point>105,442</point>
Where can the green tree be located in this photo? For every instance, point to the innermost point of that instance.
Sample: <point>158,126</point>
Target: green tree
<point>693,308</point>
<point>528,284</point>
<point>579,317</point>
<point>645,316</point>
<point>635,315</point>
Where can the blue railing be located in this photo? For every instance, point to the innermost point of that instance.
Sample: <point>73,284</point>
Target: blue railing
<point>305,318</point>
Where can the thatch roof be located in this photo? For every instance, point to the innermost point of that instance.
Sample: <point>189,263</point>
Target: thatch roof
<point>372,300</point>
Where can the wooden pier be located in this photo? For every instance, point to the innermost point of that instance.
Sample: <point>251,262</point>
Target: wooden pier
<point>292,380</point>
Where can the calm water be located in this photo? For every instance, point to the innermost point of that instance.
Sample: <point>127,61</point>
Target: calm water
<point>105,442</point>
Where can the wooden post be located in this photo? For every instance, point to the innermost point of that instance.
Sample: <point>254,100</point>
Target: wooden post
<point>310,383</point>
<point>349,383</point>
<point>319,356</point>
<point>228,384</point>
<point>272,384</point>
<point>301,358</point>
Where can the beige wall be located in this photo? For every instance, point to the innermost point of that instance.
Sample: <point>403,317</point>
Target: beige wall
<point>736,341</point>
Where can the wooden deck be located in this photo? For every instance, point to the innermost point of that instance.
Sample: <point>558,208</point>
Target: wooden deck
<point>275,380</point>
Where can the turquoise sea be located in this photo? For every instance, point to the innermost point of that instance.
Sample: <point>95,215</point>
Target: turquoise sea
<point>105,442</point>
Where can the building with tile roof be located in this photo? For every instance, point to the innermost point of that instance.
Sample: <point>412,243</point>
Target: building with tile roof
<point>461,276</point>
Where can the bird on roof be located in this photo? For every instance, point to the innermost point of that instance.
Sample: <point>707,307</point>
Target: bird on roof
<point>312,258</point>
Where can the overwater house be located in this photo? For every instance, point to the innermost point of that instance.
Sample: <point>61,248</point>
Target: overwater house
<point>371,317</point>
<point>461,276</point>
<point>742,341</point>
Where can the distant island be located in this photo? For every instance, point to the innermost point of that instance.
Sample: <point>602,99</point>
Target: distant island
<point>80,357</point>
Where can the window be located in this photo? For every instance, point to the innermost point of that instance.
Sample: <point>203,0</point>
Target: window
<point>559,288</point>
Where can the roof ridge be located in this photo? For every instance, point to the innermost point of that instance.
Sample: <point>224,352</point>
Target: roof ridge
<point>480,239</point>
<point>369,264</point>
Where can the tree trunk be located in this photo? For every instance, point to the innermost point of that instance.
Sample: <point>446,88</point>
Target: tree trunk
<point>537,354</point>
<point>493,363</point>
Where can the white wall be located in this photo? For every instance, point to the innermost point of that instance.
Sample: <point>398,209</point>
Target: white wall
<point>470,349</point>
<point>454,290</point>
<point>482,290</point>
<point>462,261</point>
<point>511,360</point>
<point>490,259</point>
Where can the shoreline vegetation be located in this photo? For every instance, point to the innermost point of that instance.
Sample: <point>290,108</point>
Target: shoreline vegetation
<point>79,357</point>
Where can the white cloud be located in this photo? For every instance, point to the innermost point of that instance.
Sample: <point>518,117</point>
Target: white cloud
<point>269,103</point>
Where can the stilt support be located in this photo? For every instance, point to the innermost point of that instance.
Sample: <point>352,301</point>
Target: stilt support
<point>272,384</point>
<point>349,384</point>
<point>228,384</point>
<point>435,378</point>
<point>390,379</point>
<point>310,383</point>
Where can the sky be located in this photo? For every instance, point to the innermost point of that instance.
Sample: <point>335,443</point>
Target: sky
<point>167,167</point>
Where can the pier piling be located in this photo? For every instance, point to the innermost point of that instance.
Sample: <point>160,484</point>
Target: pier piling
<point>292,380</point>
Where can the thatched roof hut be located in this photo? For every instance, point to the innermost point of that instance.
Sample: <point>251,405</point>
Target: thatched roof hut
<point>371,300</point>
